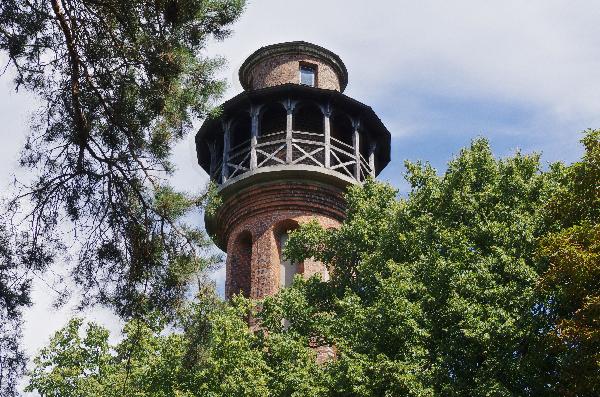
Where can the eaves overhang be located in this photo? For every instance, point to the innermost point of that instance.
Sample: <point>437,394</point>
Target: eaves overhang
<point>371,122</point>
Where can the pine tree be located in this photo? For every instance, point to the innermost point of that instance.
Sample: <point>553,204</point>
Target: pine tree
<point>119,84</point>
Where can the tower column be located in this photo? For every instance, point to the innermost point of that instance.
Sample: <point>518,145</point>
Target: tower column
<point>289,107</point>
<point>327,125</point>
<point>264,264</point>
<point>372,148</point>
<point>226,139</point>
<point>212,148</point>
<point>356,145</point>
<point>254,112</point>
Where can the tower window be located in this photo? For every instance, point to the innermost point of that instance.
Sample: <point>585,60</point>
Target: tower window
<point>308,75</point>
<point>287,268</point>
<point>240,263</point>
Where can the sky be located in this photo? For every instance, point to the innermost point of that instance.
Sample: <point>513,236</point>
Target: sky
<point>526,75</point>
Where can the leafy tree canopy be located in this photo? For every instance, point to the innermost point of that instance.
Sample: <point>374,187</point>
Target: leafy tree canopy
<point>215,354</point>
<point>452,291</point>
<point>433,294</point>
<point>573,280</point>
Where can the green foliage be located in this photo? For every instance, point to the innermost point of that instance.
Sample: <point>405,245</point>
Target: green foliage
<point>213,200</point>
<point>572,281</point>
<point>69,352</point>
<point>119,83</point>
<point>150,362</point>
<point>433,294</point>
<point>470,286</point>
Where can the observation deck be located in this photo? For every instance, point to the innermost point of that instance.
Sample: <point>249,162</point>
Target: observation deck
<point>291,129</point>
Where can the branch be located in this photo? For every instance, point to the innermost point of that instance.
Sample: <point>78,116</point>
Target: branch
<point>80,119</point>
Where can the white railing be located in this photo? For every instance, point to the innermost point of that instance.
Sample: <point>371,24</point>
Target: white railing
<point>307,148</point>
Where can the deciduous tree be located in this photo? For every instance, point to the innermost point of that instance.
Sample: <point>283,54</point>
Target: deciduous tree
<point>455,290</point>
<point>434,294</point>
<point>573,280</point>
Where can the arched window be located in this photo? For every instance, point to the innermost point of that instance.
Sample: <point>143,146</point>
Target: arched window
<point>273,119</point>
<point>241,259</point>
<point>308,118</point>
<point>287,268</point>
<point>241,130</point>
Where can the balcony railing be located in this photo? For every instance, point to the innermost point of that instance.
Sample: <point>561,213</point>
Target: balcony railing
<point>297,148</point>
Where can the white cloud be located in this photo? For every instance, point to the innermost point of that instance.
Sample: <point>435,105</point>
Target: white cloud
<point>535,53</point>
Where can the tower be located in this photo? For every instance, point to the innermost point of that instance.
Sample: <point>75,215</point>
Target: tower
<point>282,153</point>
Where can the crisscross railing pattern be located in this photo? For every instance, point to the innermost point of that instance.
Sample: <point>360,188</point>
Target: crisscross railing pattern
<point>307,148</point>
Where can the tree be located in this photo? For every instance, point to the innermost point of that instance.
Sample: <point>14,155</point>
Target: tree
<point>435,294</point>
<point>213,353</point>
<point>119,83</point>
<point>572,281</point>
<point>14,295</point>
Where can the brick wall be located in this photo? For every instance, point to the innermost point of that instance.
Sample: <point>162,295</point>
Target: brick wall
<point>286,69</point>
<point>257,216</point>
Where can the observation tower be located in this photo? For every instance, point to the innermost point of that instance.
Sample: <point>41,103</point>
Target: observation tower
<point>282,153</point>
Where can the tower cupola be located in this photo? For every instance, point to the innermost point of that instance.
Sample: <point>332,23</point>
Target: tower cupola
<point>296,62</point>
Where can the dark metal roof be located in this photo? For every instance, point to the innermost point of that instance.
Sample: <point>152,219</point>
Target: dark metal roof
<point>293,48</point>
<point>372,124</point>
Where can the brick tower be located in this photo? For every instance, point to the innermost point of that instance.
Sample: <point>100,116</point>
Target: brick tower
<point>282,153</point>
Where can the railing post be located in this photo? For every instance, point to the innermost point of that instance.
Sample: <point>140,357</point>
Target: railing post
<point>225,166</point>
<point>356,145</point>
<point>372,148</point>
<point>326,116</point>
<point>288,131</point>
<point>254,112</point>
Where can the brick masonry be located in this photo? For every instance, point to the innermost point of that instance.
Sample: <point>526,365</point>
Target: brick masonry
<point>251,222</point>
<point>284,69</point>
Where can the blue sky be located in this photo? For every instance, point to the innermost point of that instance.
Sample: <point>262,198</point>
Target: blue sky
<point>523,74</point>
<point>438,73</point>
